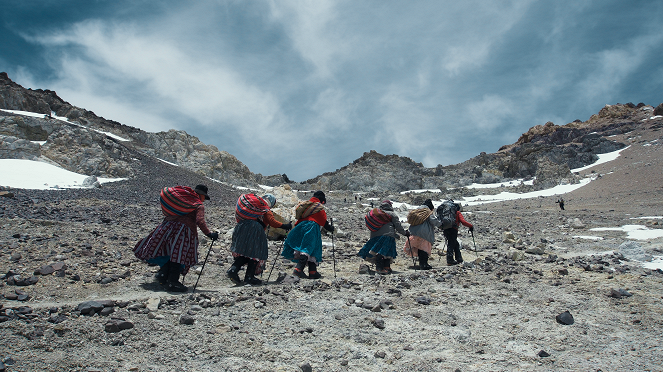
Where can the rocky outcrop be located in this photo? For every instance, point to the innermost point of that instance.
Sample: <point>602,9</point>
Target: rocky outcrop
<point>86,149</point>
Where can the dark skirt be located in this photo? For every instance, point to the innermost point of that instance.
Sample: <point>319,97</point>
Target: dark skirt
<point>170,239</point>
<point>304,238</point>
<point>249,240</point>
<point>383,245</point>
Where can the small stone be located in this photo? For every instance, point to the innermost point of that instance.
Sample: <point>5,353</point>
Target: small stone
<point>187,319</point>
<point>11,296</point>
<point>376,308</point>
<point>380,354</point>
<point>423,300</point>
<point>306,367</point>
<point>112,327</point>
<point>153,304</point>
<point>563,271</point>
<point>378,323</point>
<point>364,269</point>
<point>543,354</point>
<point>565,318</point>
<point>88,307</point>
<point>125,325</point>
<point>46,270</point>
<point>344,362</point>
<point>106,311</point>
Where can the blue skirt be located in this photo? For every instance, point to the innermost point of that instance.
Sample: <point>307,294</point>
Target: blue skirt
<point>384,245</point>
<point>304,238</point>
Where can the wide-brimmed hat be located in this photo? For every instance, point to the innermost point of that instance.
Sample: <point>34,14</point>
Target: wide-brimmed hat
<point>202,190</point>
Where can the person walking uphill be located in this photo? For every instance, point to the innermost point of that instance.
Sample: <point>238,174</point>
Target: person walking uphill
<point>304,243</point>
<point>249,242</point>
<point>381,247</point>
<point>173,245</point>
<point>449,214</point>
<point>422,229</point>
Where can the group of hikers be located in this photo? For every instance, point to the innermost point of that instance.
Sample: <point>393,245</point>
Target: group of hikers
<point>173,245</point>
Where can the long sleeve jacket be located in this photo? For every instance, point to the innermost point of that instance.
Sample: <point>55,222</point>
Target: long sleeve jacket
<point>427,229</point>
<point>193,219</point>
<point>390,228</point>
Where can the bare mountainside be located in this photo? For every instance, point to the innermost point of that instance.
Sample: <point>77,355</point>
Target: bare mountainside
<point>74,298</point>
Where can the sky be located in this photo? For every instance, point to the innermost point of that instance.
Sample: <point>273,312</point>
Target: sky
<point>306,87</point>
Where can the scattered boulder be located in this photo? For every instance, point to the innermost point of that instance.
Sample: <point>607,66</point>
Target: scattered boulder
<point>619,293</point>
<point>565,318</point>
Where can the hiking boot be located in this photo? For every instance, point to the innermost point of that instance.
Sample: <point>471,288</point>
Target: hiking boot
<point>250,276</point>
<point>300,273</point>
<point>423,261</point>
<point>452,263</point>
<point>382,265</point>
<point>232,274</point>
<point>162,275</point>
<point>173,282</point>
<point>301,264</point>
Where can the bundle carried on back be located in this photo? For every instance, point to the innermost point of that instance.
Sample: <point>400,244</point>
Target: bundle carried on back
<point>418,216</point>
<point>250,207</point>
<point>179,200</point>
<point>376,218</point>
<point>307,208</point>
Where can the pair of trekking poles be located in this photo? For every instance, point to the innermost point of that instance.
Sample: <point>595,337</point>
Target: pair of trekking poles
<point>446,243</point>
<point>333,254</point>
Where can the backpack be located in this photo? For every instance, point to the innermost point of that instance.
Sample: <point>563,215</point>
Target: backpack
<point>418,216</point>
<point>376,218</point>
<point>446,213</point>
<point>250,207</point>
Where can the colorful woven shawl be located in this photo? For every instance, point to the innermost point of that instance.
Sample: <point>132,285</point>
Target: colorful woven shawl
<point>376,218</point>
<point>250,207</point>
<point>307,208</point>
<point>418,216</point>
<point>179,200</point>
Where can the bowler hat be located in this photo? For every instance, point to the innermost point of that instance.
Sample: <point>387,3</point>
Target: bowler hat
<point>202,190</point>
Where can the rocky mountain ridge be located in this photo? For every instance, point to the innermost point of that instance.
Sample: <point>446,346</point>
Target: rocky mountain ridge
<point>81,144</point>
<point>547,152</point>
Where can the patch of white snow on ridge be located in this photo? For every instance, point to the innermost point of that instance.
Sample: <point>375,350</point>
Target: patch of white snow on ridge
<point>512,183</point>
<point>588,237</point>
<point>603,158</point>
<point>167,162</point>
<point>62,118</point>
<point>647,218</point>
<point>637,232</point>
<point>655,264</point>
<point>506,196</point>
<point>420,191</point>
<point>37,175</point>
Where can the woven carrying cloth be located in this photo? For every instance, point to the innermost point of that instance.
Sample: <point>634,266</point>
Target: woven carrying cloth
<point>418,216</point>
<point>376,218</point>
<point>307,208</point>
<point>179,200</point>
<point>250,207</point>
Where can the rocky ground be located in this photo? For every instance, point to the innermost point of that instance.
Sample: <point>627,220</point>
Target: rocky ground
<point>73,297</point>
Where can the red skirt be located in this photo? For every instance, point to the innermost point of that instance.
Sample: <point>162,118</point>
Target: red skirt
<point>172,239</point>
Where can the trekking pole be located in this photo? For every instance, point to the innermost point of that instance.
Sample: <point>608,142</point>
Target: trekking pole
<point>475,244</point>
<point>411,253</point>
<point>333,247</point>
<point>203,268</point>
<point>274,263</point>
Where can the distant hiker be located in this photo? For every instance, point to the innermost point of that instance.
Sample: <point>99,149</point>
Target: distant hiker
<point>372,205</point>
<point>449,213</point>
<point>355,197</point>
<point>560,201</point>
<point>381,247</point>
<point>304,243</point>
<point>249,242</point>
<point>422,229</point>
<point>173,245</point>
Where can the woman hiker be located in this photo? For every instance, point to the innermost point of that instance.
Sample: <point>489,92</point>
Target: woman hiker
<point>423,223</point>
<point>381,247</point>
<point>304,243</point>
<point>249,242</point>
<point>173,245</point>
